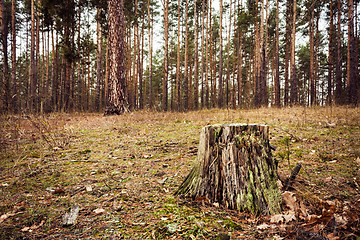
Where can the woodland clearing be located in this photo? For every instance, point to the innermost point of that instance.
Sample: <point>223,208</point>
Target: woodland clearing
<point>122,172</point>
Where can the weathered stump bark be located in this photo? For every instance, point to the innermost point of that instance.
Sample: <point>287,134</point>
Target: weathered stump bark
<point>235,169</point>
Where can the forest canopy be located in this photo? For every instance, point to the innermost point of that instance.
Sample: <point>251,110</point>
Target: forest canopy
<point>202,54</point>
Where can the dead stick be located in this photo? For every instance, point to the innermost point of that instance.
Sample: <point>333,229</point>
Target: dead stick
<point>292,177</point>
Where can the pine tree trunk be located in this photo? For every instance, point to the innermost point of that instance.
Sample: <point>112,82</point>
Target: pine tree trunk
<point>220,99</point>
<point>202,91</point>
<point>311,44</point>
<point>32,79</point>
<point>117,102</point>
<point>235,169</point>
<point>14,90</point>
<point>196,61</point>
<point>235,44</point>
<point>207,40</point>
<point>178,99</point>
<point>166,68</point>
<point>98,62</point>
<point>287,51</point>
<point>339,84</point>
<point>54,77</point>
<point>351,53</point>
<point>228,61</point>
<point>277,62</point>
<point>141,64</point>
<point>331,55</point>
<point>150,57</point>
<point>38,96</point>
<point>186,74</point>
<point>294,84</point>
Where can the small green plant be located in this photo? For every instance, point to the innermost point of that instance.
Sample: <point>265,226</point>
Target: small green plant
<point>85,151</point>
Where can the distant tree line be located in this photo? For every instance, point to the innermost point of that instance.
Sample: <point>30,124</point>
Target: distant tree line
<point>239,54</point>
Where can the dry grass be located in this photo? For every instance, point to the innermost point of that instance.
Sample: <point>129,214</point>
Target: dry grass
<point>136,161</point>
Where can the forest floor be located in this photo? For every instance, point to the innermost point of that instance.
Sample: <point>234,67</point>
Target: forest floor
<point>122,172</point>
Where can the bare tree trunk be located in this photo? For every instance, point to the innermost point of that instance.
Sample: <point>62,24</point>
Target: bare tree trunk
<point>311,41</point>
<point>14,91</point>
<point>106,83</point>
<point>32,79</point>
<point>166,68</point>
<point>207,40</point>
<point>141,62</point>
<point>38,96</point>
<point>79,89</point>
<point>316,60</point>
<point>220,99</point>
<point>202,91</point>
<point>116,103</point>
<point>54,82</point>
<point>196,63</point>
<point>235,169</point>
<point>98,62</point>
<point>235,44</point>
<point>277,60</point>
<point>212,79</point>
<point>331,55</point>
<point>339,84</point>
<point>294,85</point>
<point>178,98</point>
<point>287,51</point>
<point>352,80</point>
<point>150,20</point>
<point>186,74</point>
<point>228,61</point>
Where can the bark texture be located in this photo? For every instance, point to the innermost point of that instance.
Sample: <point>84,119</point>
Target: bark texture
<point>235,169</point>
<point>117,101</point>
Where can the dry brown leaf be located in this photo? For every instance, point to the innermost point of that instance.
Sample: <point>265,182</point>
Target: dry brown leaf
<point>283,218</point>
<point>290,200</point>
<point>303,214</point>
<point>332,236</point>
<point>341,221</point>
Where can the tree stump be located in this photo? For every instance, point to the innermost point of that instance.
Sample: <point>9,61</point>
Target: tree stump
<point>235,168</point>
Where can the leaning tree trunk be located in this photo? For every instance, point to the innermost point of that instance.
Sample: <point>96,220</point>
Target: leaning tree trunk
<point>235,169</point>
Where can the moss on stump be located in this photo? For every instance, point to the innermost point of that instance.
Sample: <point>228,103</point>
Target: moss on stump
<point>235,168</point>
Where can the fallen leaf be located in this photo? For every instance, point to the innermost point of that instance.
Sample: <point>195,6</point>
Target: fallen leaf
<point>341,221</point>
<point>285,218</point>
<point>263,226</point>
<point>302,211</point>
<point>332,236</point>
<point>99,211</point>
<point>290,200</point>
